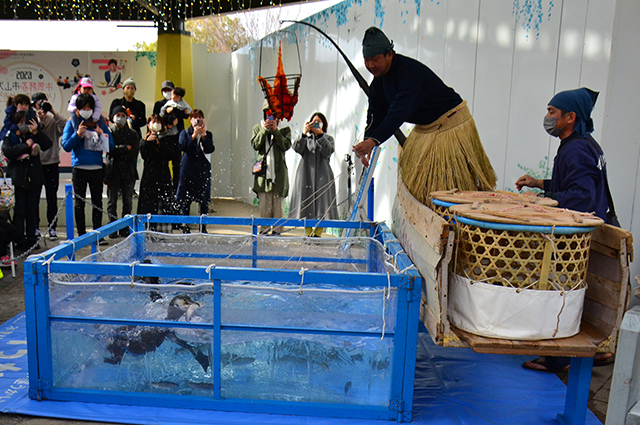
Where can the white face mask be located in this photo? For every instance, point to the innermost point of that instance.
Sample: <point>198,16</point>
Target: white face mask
<point>86,114</point>
<point>155,127</point>
<point>120,121</point>
<point>167,95</point>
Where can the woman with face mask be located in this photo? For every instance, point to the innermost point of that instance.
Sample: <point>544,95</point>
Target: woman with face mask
<point>120,172</point>
<point>158,146</point>
<point>195,168</point>
<point>314,192</point>
<point>86,139</point>
<point>22,148</point>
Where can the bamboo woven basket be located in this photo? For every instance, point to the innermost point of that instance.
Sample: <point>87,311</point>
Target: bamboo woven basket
<point>523,246</point>
<point>519,270</point>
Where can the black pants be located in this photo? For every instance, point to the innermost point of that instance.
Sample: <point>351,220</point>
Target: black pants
<point>26,210</point>
<point>185,206</point>
<point>81,178</point>
<point>8,233</point>
<point>51,183</point>
<point>127,199</point>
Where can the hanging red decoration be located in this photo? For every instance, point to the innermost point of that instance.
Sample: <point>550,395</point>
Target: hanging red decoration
<point>283,94</point>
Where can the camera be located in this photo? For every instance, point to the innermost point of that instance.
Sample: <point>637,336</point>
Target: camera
<point>44,105</point>
<point>199,122</point>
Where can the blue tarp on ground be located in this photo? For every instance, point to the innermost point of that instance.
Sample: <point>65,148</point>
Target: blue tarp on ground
<point>452,386</point>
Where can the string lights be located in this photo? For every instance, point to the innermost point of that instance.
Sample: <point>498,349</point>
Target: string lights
<point>124,10</point>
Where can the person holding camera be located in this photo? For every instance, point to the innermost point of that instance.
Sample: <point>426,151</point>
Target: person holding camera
<point>314,192</point>
<point>22,148</point>
<point>271,182</point>
<point>86,139</point>
<point>52,124</point>
<point>196,143</point>
<point>158,146</point>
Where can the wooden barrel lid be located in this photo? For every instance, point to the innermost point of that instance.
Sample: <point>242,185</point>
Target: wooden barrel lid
<point>526,214</point>
<point>497,197</point>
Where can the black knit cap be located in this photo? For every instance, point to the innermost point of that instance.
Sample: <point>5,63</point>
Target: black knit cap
<point>118,109</point>
<point>375,42</point>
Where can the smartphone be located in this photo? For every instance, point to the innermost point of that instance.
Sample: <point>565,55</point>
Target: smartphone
<point>199,122</point>
<point>316,124</point>
<point>270,117</point>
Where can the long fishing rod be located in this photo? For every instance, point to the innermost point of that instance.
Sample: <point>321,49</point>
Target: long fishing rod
<point>400,137</point>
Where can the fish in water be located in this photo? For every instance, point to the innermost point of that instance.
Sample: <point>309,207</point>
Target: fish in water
<point>201,386</point>
<point>347,387</point>
<point>137,340</point>
<point>164,385</point>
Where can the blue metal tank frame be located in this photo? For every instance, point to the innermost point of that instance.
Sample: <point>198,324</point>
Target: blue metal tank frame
<point>61,259</point>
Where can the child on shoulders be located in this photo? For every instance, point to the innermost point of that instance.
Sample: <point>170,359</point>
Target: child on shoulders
<point>85,86</point>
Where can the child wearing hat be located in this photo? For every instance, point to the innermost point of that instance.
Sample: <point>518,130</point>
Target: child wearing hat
<point>85,86</point>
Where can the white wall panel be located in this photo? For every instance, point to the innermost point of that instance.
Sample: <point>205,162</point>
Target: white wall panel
<point>493,80</point>
<point>622,127</point>
<point>533,81</point>
<point>461,46</point>
<point>212,88</point>
<point>506,58</point>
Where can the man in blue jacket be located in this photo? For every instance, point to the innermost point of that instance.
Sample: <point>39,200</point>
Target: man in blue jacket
<point>86,140</point>
<point>578,181</point>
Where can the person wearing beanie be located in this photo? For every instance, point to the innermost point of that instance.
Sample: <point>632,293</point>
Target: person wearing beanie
<point>578,180</point>
<point>136,110</point>
<point>166,88</point>
<point>405,90</point>
<point>120,171</point>
<point>52,124</point>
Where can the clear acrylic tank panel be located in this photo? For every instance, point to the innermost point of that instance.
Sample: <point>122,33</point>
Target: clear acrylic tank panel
<point>237,323</point>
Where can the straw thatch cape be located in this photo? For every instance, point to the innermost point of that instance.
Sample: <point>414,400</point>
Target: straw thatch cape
<point>444,155</point>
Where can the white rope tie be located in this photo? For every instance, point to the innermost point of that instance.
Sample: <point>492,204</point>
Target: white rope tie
<point>133,269</point>
<point>412,266</point>
<point>48,264</point>
<point>211,266</point>
<point>385,296</point>
<point>148,220</point>
<point>73,247</point>
<point>301,273</point>
<point>97,238</point>
<point>564,300</point>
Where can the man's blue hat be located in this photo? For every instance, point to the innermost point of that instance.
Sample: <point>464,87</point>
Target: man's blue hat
<point>580,101</point>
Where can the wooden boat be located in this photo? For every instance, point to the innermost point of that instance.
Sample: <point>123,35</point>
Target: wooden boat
<point>429,241</point>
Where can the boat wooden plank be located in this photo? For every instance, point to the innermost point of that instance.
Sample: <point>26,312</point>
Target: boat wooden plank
<point>433,228</point>
<point>611,236</point>
<point>603,291</point>
<point>604,250</point>
<point>605,266</point>
<point>584,344</point>
<point>598,324</point>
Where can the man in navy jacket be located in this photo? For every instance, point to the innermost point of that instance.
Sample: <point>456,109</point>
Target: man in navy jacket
<point>578,178</point>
